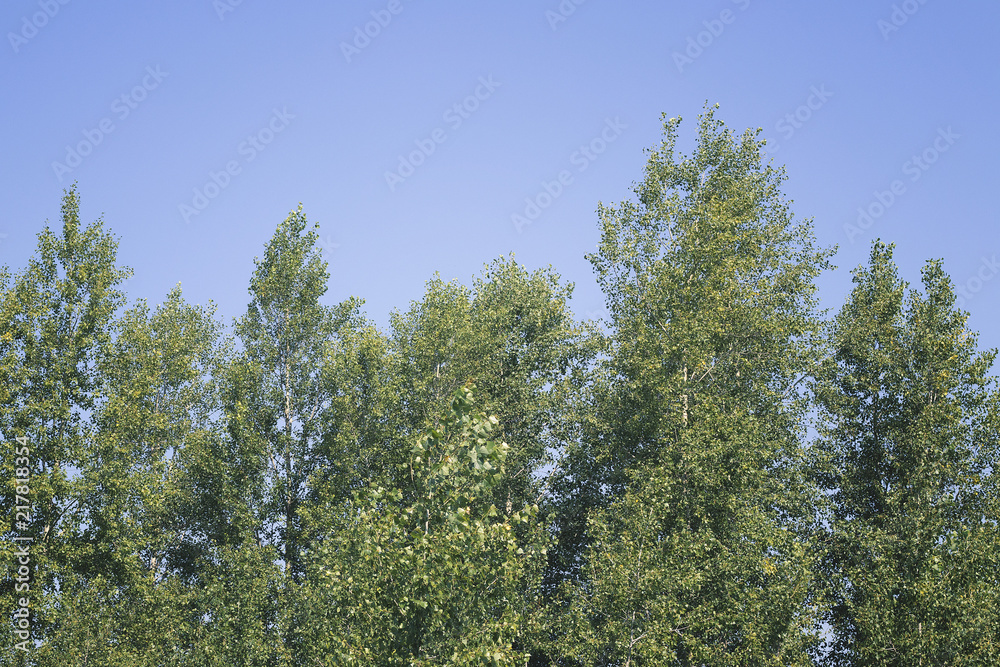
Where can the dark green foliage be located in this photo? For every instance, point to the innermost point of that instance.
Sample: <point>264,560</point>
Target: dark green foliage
<point>907,454</point>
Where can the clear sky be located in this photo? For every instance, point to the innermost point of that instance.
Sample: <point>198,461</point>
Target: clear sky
<point>195,126</point>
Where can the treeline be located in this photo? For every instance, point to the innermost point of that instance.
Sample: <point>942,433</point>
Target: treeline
<point>722,476</point>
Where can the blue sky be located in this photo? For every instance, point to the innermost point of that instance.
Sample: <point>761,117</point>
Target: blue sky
<point>194,127</point>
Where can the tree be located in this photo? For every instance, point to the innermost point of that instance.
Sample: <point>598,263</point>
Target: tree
<point>57,317</point>
<point>909,459</point>
<point>513,333</point>
<point>128,605</point>
<point>306,419</point>
<point>685,514</point>
<point>278,395</point>
<point>430,576</point>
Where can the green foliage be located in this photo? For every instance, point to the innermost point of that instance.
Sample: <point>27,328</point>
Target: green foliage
<point>436,580</point>
<point>153,403</point>
<point>312,491</point>
<point>686,505</point>
<point>908,456</point>
<point>279,390</point>
<point>236,615</point>
<point>56,322</point>
<point>514,334</point>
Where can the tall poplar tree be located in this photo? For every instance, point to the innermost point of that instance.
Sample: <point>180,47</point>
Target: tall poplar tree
<point>129,607</point>
<point>279,396</point>
<point>909,457</point>
<point>514,334</point>
<point>685,508</point>
<point>58,316</point>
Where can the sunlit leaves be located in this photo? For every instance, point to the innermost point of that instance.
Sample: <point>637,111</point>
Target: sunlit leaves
<point>431,576</point>
<point>689,491</point>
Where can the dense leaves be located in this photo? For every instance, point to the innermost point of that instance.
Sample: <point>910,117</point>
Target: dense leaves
<point>691,537</point>
<point>438,579</point>
<point>908,451</point>
<point>493,482</point>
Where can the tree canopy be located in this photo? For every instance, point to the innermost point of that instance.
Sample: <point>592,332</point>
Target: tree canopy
<point>723,475</point>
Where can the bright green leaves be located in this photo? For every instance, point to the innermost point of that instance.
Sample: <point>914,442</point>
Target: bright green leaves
<point>456,462</point>
<point>513,333</point>
<point>710,270</point>
<point>433,576</point>
<point>314,491</point>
